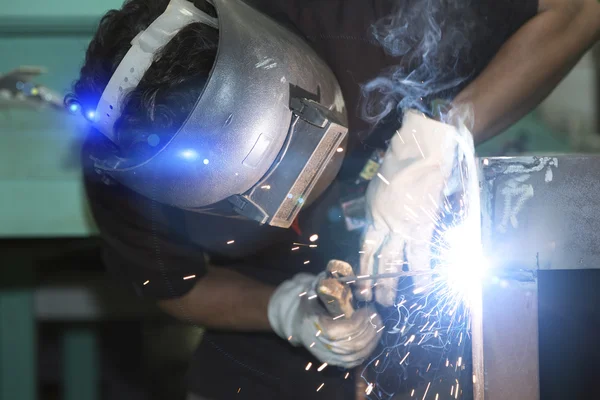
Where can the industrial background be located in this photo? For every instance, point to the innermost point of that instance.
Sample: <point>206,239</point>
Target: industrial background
<point>66,332</point>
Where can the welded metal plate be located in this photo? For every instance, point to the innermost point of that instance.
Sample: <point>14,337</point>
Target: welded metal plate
<point>538,213</point>
<point>542,212</point>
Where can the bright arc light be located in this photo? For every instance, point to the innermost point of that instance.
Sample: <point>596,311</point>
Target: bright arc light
<point>463,261</point>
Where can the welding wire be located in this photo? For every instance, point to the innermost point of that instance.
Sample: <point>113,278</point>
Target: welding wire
<point>349,279</point>
<point>524,275</point>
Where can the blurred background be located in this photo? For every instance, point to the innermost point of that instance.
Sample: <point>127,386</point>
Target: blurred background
<point>66,331</point>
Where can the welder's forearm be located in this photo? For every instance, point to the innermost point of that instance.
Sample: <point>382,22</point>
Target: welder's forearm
<point>528,67</point>
<point>225,300</point>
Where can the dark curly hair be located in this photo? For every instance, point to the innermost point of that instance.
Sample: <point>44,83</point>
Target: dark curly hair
<point>166,94</point>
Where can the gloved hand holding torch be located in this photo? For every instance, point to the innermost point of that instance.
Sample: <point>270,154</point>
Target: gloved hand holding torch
<point>404,202</point>
<point>316,312</point>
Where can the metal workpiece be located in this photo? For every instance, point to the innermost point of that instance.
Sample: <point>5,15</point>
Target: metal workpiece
<point>509,345</point>
<point>541,212</point>
<point>538,213</point>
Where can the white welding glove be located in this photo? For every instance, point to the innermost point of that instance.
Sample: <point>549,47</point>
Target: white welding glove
<point>297,315</point>
<point>404,201</point>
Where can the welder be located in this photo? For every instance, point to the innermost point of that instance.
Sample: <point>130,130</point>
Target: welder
<point>227,161</point>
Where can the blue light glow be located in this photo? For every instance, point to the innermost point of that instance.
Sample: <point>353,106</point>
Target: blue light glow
<point>91,115</point>
<point>74,107</point>
<point>206,161</point>
<point>189,154</point>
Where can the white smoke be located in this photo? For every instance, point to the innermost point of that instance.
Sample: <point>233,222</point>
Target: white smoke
<point>432,41</point>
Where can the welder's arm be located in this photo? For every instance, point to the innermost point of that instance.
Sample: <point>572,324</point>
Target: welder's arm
<point>224,299</point>
<point>531,63</point>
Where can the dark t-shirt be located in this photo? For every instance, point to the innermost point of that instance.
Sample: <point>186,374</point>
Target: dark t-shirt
<point>160,251</point>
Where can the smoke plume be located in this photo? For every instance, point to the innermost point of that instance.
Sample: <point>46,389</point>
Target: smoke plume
<point>431,40</point>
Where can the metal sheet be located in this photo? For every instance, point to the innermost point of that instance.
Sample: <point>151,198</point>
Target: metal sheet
<point>538,213</point>
<point>544,211</point>
<point>510,341</point>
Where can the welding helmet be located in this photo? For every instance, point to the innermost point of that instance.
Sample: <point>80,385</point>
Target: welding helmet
<point>268,122</point>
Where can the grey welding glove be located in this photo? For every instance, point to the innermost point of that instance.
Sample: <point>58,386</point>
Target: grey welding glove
<point>404,202</point>
<point>296,314</point>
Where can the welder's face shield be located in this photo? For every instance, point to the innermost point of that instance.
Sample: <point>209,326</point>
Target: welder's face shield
<point>267,125</point>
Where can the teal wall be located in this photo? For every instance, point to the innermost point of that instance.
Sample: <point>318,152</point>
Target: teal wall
<point>57,8</point>
<point>40,191</point>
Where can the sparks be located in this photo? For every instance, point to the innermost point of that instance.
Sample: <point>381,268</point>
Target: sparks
<point>419,290</point>
<point>314,296</point>
<point>400,136</point>
<point>308,366</point>
<point>418,145</point>
<point>322,367</point>
<point>306,262</point>
<point>231,242</point>
<point>405,357</point>
<point>295,248</point>
<point>321,387</point>
<point>426,390</point>
<point>339,316</point>
<point>313,238</point>
<point>318,333</point>
<point>383,178</point>
<point>147,282</point>
<point>369,389</point>
<point>347,375</point>
<point>185,278</point>
<point>410,210</point>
